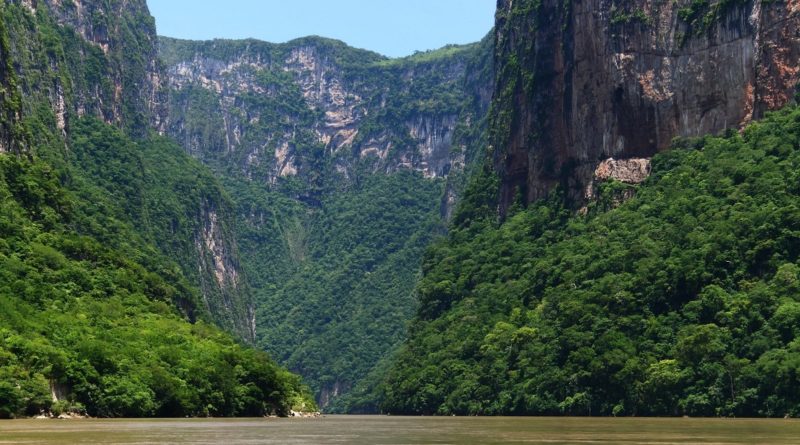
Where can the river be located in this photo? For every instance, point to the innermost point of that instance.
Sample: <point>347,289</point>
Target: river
<point>402,430</point>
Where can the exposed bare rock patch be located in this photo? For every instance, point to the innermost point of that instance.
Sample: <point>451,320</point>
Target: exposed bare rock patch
<point>630,171</point>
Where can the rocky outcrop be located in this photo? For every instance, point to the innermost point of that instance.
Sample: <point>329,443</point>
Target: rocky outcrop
<point>330,391</point>
<point>629,171</point>
<point>280,108</point>
<point>579,82</point>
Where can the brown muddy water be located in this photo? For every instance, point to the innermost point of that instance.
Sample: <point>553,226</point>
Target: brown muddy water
<point>402,430</point>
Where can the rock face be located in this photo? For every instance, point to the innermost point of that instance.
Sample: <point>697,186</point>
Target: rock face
<point>579,82</point>
<point>281,108</point>
<point>221,285</point>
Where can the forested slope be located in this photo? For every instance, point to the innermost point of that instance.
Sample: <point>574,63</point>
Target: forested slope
<point>102,228</point>
<point>682,300</point>
<point>597,265</point>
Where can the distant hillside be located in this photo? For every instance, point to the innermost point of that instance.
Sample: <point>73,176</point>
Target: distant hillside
<point>343,165</point>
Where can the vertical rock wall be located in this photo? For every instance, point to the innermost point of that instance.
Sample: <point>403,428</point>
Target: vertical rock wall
<point>582,81</point>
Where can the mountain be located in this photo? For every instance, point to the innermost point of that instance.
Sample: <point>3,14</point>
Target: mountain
<point>343,165</point>
<point>596,265</point>
<point>116,251</point>
<point>283,114</point>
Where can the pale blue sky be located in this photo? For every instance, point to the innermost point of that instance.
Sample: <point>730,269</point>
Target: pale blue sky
<point>390,27</point>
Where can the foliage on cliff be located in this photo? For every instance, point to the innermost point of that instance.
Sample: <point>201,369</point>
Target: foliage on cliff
<point>90,308</point>
<point>683,300</point>
<point>71,66</point>
<point>98,286</point>
<point>335,281</point>
<point>168,197</point>
<point>10,101</point>
<point>100,56</point>
<point>345,304</point>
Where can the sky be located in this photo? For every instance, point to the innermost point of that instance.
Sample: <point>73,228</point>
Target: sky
<point>394,28</point>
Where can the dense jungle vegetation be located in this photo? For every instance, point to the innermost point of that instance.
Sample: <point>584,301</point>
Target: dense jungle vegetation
<point>100,310</point>
<point>90,309</point>
<point>683,300</point>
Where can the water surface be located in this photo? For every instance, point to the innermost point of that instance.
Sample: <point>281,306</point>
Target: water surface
<point>403,430</point>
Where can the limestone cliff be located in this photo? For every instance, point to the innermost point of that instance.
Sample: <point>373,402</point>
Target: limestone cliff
<point>280,108</point>
<point>582,81</point>
<point>222,287</point>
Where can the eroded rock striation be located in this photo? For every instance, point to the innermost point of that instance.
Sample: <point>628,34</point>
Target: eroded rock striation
<point>580,82</point>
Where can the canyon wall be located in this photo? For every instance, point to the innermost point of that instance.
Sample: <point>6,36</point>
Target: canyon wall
<point>272,111</point>
<point>343,165</point>
<point>582,81</point>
